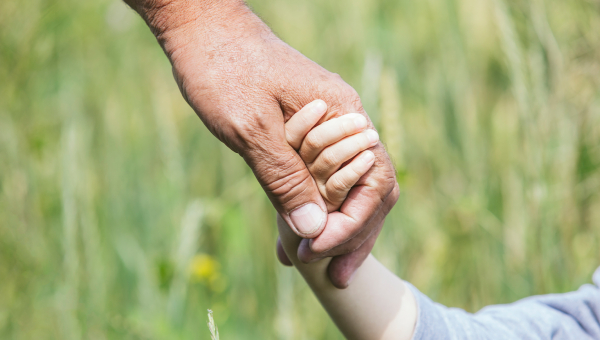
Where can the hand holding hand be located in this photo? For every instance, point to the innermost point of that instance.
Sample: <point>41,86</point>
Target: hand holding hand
<point>244,83</point>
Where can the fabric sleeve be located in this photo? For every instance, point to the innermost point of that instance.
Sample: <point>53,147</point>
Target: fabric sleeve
<point>574,315</point>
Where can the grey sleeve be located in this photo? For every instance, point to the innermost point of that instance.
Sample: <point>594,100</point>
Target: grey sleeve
<point>574,315</point>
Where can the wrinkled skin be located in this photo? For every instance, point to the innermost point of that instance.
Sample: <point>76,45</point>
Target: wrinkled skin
<point>244,83</point>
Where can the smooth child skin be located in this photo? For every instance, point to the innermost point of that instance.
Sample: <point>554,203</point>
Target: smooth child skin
<point>377,305</point>
<point>330,145</point>
<point>325,149</point>
<point>245,83</point>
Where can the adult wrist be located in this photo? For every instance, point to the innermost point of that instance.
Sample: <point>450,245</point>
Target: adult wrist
<point>176,22</point>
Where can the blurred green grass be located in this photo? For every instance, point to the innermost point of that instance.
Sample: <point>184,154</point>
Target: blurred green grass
<point>121,217</point>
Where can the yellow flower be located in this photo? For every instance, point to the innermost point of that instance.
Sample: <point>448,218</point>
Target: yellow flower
<point>204,268</point>
<point>207,270</point>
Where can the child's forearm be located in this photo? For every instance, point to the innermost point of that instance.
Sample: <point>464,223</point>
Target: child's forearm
<point>377,305</point>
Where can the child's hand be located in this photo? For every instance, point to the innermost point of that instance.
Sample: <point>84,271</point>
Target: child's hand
<point>331,146</point>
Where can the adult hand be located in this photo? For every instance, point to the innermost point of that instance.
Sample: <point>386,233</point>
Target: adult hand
<point>244,83</point>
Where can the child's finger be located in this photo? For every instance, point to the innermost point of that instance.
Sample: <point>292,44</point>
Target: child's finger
<point>300,124</point>
<point>341,182</point>
<point>281,255</point>
<point>334,156</point>
<point>331,132</point>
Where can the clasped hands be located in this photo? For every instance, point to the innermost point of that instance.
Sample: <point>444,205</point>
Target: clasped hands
<point>245,83</point>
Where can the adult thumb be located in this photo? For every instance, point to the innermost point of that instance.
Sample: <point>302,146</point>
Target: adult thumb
<point>289,185</point>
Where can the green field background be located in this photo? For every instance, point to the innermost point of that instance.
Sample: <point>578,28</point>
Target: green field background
<point>122,217</point>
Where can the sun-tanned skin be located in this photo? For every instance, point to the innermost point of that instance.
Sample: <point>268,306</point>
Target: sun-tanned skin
<point>244,83</point>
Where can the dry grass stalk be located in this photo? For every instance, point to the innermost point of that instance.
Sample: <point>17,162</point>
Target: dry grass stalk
<point>214,331</point>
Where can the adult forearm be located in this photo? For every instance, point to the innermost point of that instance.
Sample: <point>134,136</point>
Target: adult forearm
<point>212,46</point>
<point>377,305</point>
<point>163,15</point>
<point>206,26</point>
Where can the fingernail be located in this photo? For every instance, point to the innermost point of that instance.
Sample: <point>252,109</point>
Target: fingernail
<point>367,157</point>
<point>373,136</point>
<point>308,218</point>
<point>360,122</point>
<point>319,105</point>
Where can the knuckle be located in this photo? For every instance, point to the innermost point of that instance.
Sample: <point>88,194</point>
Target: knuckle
<point>352,97</point>
<point>389,180</point>
<point>362,142</point>
<point>247,131</point>
<point>290,137</point>
<point>384,175</point>
<point>347,127</point>
<point>312,142</point>
<point>336,198</point>
<point>391,199</point>
<point>355,170</point>
<point>336,76</point>
<point>328,158</point>
<point>342,97</point>
<point>317,170</point>
<point>336,185</point>
<point>287,182</point>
